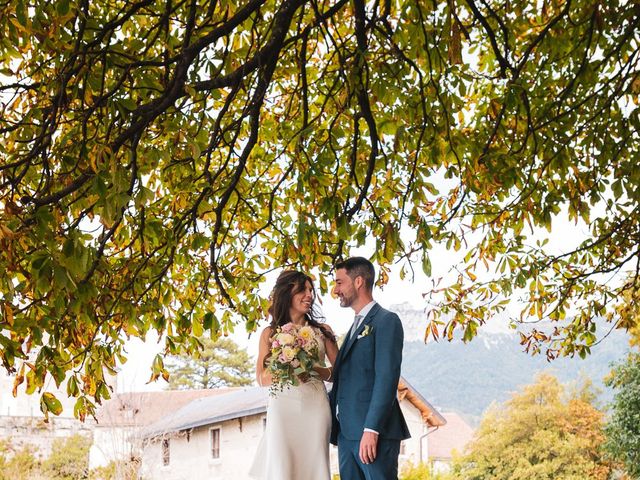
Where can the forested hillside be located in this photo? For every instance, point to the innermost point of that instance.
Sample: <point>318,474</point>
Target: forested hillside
<point>468,377</point>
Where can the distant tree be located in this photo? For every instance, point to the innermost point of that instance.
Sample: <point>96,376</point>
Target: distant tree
<point>623,428</point>
<point>634,332</point>
<point>220,363</point>
<point>107,472</point>
<point>18,463</point>
<point>69,459</point>
<point>420,472</point>
<point>543,432</point>
<point>117,470</point>
<point>629,316</point>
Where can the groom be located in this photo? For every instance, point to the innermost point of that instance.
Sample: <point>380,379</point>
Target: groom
<point>367,424</point>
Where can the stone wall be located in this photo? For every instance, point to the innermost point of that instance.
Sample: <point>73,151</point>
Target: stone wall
<point>27,430</point>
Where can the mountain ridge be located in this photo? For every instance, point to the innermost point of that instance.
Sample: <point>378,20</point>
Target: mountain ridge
<point>467,378</point>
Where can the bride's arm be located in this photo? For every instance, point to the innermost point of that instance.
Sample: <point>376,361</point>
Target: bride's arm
<point>331,349</point>
<point>263,376</point>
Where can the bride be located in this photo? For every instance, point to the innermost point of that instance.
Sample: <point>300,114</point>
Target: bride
<point>295,444</point>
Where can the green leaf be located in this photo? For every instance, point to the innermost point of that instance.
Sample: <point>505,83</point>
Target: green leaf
<point>426,264</point>
<point>49,403</point>
<point>72,387</point>
<point>21,13</point>
<point>62,7</point>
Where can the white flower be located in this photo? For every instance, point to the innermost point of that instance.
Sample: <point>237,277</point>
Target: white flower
<point>365,332</point>
<point>285,339</point>
<point>289,353</point>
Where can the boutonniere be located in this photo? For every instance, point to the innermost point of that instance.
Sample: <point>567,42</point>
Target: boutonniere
<point>367,330</point>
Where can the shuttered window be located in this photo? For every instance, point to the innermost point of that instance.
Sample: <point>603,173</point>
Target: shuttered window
<point>215,443</point>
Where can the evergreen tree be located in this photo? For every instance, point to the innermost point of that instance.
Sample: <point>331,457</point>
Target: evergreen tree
<point>220,363</point>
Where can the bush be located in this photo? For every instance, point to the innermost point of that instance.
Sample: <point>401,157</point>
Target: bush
<point>117,470</point>
<point>69,459</point>
<point>108,472</point>
<point>421,471</point>
<point>413,472</point>
<point>18,464</point>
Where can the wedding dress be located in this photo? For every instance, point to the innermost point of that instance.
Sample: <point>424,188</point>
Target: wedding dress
<point>295,444</point>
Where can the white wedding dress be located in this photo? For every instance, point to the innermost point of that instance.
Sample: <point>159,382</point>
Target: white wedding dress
<point>295,444</point>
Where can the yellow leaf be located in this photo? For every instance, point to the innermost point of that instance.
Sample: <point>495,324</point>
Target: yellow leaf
<point>8,314</point>
<point>19,379</point>
<point>17,24</point>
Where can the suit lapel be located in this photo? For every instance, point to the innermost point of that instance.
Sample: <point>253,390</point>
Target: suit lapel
<point>352,339</point>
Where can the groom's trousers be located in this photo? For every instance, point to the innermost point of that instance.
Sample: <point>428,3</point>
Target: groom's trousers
<point>385,466</point>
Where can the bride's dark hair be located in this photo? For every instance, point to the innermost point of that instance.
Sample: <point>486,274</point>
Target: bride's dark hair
<point>289,283</point>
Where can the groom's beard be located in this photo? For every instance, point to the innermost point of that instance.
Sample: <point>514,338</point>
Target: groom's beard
<point>347,300</point>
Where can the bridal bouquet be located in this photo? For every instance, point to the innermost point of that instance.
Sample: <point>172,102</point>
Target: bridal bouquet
<point>294,351</point>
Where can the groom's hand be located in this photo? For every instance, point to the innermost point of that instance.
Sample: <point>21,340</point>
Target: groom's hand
<point>368,447</point>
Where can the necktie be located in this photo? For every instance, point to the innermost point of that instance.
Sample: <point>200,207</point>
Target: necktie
<point>356,324</point>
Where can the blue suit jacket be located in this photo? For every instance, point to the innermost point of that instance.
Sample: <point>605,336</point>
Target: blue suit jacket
<point>366,375</point>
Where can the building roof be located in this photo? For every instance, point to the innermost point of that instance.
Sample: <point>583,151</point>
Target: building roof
<point>209,410</point>
<point>144,408</point>
<point>430,415</point>
<point>455,435</point>
<point>247,401</point>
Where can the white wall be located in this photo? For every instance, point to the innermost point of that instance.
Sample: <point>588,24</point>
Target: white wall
<point>418,428</point>
<point>114,444</point>
<point>190,455</point>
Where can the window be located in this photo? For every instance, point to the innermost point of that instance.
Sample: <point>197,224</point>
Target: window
<point>264,424</point>
<point>215,443</point>
<point>165,452</point>
<point>403,448</point>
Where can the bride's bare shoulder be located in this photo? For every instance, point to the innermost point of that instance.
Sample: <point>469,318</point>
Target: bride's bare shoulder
<point>267,332</point>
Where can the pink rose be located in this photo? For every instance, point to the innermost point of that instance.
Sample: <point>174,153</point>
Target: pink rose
<point>287,327</point>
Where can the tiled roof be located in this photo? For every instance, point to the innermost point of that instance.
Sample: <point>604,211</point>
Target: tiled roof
<point>251,401</point>
<point>453,436</point>
<point>210,410</point>
<point>144,408</point>
<point>430,415</point>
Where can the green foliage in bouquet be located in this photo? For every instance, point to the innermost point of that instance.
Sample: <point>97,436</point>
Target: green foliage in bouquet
<point>294,352</point>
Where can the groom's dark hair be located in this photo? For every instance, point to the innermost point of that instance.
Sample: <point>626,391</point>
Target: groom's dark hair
<point>359,267</point>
